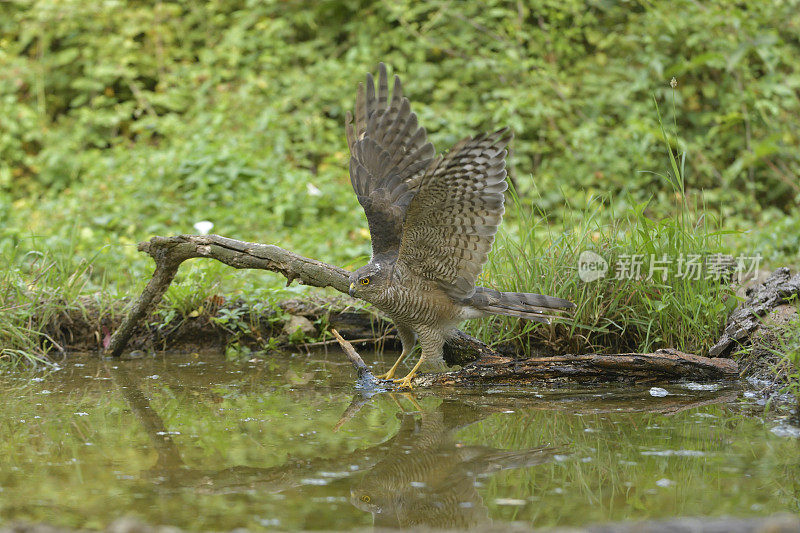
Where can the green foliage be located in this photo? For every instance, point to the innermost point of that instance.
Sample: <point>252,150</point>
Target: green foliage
<point>34,293</point>
<point>783,341</point>
<point>791,353</point>
<point>630,308</point>
<point>122,120</point>
<point>660,288</point>
<point>189,291</point>
<point>572,80</point>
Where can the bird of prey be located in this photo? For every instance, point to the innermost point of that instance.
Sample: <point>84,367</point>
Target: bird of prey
<point>432,221</point>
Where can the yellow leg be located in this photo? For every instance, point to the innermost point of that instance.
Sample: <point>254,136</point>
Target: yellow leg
<point>407,339</point>
<point>413,401</point>
<point>390,373</point>
<point>432,341</point>
<point>406,381</point>
<point>396,402</point>
<point>409,397</point>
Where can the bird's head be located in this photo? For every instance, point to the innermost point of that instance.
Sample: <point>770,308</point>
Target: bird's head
<point>368,279</point>
<point>366,501</point>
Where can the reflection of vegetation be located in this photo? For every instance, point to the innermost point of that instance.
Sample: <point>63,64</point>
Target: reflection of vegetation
<point>203,444</point>
<point>88,447</point>
<point>418,477</point>
<point>645,465</point>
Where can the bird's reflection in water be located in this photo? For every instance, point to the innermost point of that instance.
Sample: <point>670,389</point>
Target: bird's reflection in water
<point>426,478</point>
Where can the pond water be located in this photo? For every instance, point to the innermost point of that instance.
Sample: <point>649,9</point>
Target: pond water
<point>204,444</point>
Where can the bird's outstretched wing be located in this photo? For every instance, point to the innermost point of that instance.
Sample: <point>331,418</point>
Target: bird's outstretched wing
<point>451,221</point>
<point>389,153</point>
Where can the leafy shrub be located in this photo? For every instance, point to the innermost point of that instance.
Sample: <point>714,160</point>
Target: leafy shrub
<point>572,79</point>
<point>121,120</point>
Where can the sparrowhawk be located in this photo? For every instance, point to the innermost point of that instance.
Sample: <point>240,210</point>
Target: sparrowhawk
<point>432,221</point>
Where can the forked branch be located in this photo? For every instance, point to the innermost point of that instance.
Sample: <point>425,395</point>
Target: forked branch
<point>169,252</point>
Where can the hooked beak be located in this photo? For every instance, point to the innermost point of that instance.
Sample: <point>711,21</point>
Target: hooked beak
<point>352,290</point>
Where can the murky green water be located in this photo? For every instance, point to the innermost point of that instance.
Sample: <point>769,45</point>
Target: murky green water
<point>199,443</point>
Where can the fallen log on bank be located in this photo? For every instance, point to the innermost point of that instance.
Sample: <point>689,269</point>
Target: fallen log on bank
<point>780,288</point>
<point>493,370</point>
<point>638,367</point>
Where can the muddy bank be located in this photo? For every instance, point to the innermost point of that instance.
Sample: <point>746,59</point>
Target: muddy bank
<point>296,324</point>
<point>87,326</point>
<point>307,324</point>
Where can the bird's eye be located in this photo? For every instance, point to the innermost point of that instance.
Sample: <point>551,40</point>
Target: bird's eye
<point>365,281</point>
<point>365,498</point>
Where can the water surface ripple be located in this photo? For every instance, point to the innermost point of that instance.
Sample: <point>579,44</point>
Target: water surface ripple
<point>288,443</point>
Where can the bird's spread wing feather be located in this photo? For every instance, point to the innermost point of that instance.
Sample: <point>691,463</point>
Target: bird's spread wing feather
<point>389,153</point>
<point>451,221</point>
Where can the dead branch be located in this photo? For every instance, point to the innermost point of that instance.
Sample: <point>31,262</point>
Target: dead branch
<point>169,252</point>
<point>361,367</point>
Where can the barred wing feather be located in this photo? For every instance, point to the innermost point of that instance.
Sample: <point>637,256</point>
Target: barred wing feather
<point>451,221</point>
<point>389,153</point>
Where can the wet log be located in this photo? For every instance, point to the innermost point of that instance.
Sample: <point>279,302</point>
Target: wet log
<point>639,367</point>
<point>665,364</point>
<point>170,252</point>
<point>777,290</point>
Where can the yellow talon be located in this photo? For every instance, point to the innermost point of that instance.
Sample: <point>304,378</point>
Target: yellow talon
<point>405,383</point>
<point>386,375</point>
<point>390,374</point>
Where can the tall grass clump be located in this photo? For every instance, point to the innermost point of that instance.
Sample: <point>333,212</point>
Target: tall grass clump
<point>667,282</point>
<point>36,289</point>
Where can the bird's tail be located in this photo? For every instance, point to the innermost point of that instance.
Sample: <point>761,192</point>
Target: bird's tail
<point>536,307</point>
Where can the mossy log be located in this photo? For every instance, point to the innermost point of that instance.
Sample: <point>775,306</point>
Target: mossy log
<point>638,367</point>
<point>779,288</point>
